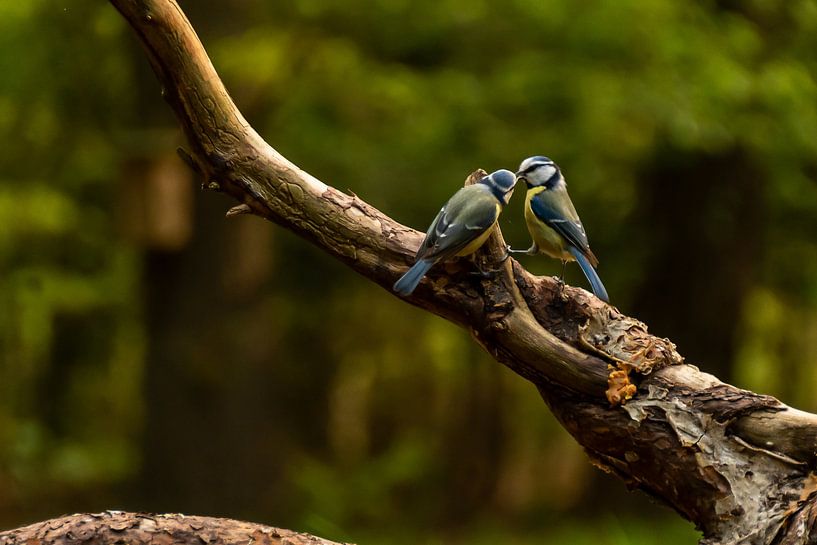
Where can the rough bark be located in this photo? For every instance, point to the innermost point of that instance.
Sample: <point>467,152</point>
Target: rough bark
<point>738,464</point>
<point>146,529</point>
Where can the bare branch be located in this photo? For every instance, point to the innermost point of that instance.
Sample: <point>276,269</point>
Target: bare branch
<point>149,529</point>
<point>734,462</point>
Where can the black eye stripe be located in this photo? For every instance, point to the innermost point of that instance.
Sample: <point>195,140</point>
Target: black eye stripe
<point>534,166</point>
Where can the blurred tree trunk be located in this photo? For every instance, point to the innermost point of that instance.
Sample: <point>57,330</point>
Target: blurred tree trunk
<point>235,363</point>
<point>707,224</point>
<point>476,447</point>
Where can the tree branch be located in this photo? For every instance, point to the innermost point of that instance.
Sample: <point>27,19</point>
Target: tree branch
<point>149,529</point>
<point>736,463</point>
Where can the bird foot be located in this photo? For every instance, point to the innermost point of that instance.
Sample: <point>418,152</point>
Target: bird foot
<point>533,250</point>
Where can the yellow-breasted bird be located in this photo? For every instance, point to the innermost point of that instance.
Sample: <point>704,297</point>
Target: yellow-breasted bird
<point>462,226</point>
<point>553,222</point>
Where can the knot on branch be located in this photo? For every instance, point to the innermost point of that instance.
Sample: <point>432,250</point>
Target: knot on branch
<point>625,340</point>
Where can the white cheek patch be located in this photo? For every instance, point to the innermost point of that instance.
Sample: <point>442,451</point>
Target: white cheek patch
<point>546,171</point>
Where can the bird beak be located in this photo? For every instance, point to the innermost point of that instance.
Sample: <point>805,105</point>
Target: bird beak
<point>520,175</point>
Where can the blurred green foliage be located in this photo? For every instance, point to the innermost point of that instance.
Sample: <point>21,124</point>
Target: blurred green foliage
<point>242,373</point>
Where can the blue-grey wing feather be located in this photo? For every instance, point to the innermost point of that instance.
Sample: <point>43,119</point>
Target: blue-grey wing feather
<point>572,230</point>
<point>464,217</point>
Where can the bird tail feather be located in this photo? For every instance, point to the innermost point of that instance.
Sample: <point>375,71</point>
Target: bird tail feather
<point>406,284</point>
<point>590,273</point>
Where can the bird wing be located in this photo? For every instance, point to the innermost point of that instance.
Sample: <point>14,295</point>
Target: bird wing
<point>555,210</point>
<point>432,233</point>
<point>464,217</point>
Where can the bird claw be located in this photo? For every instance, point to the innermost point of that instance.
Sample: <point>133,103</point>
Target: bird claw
<point>533,250</point>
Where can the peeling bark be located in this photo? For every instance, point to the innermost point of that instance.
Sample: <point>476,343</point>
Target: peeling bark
<point>738,464</point>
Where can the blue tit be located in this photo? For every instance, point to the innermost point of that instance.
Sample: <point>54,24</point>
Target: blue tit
<point>462,226</point>
<point>553,222</point>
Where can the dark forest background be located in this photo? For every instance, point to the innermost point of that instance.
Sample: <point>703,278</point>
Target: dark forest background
<point>156,356</point>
